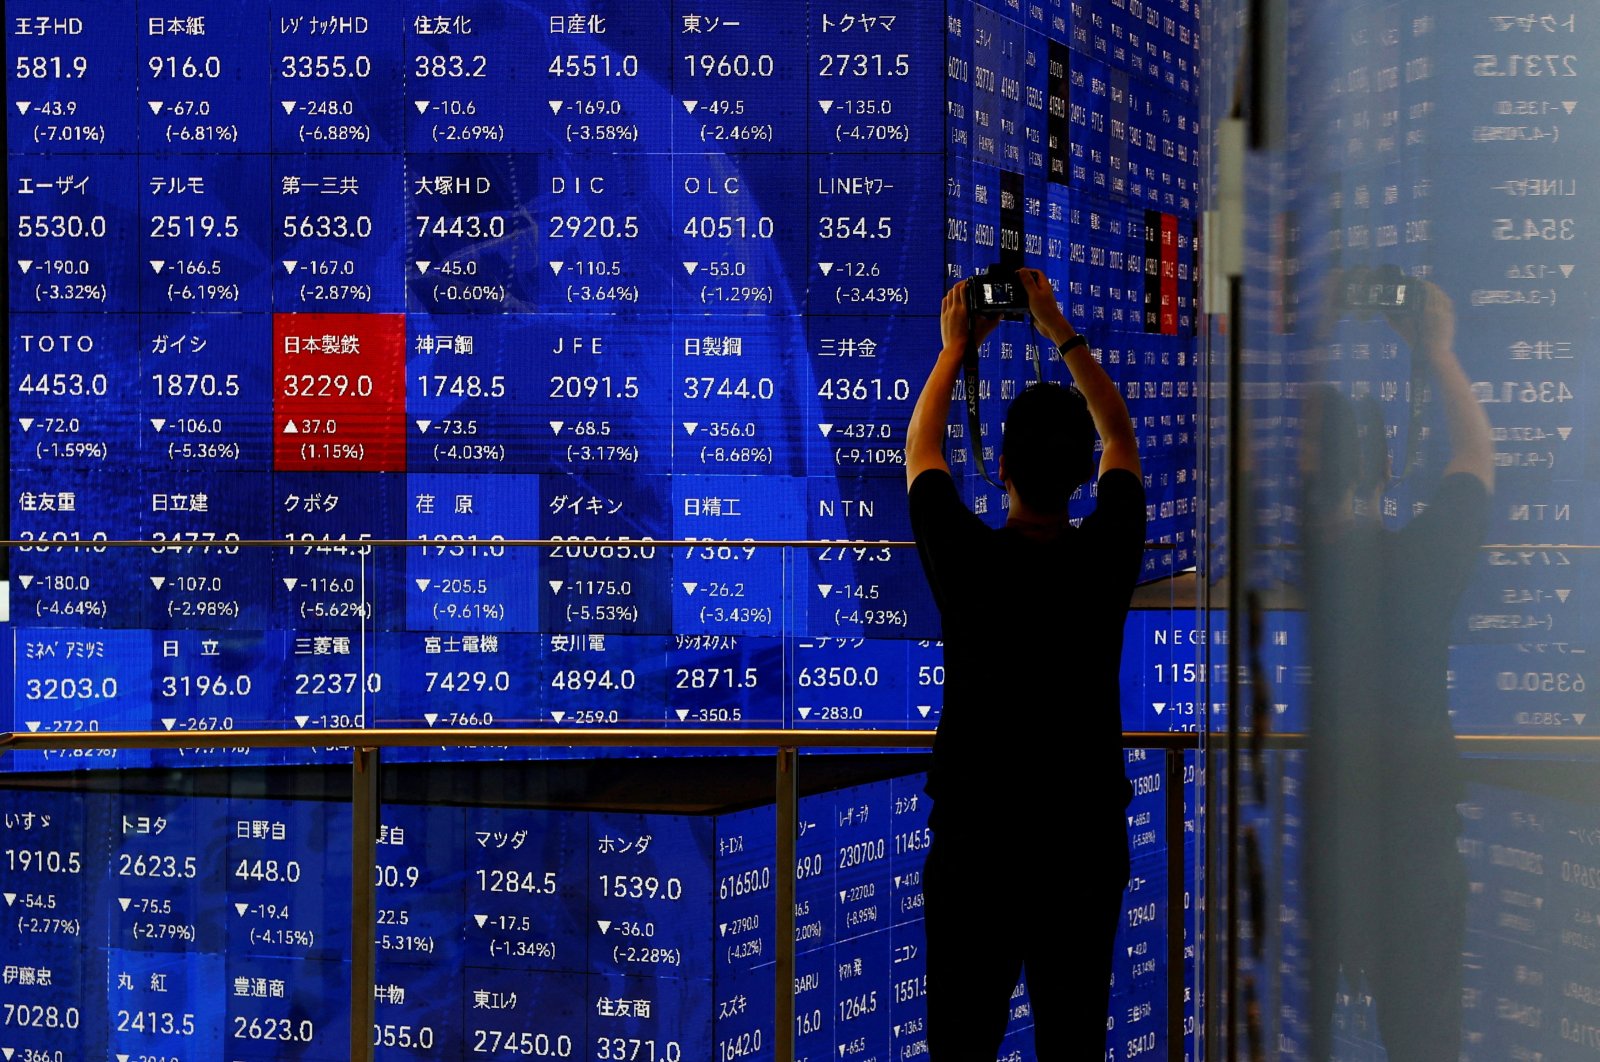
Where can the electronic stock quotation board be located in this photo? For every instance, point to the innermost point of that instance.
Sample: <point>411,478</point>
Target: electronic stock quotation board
<point>458,273</point>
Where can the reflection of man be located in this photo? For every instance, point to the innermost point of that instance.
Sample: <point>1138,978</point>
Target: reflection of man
<point>1028,770</point>
<point>1385,884</point>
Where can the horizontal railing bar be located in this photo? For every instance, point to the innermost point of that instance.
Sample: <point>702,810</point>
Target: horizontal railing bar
<point>551,737</point>
<point>364,544</point>
<point>1586,744</point>
<point>453,737</point>
<point>1296,547</point>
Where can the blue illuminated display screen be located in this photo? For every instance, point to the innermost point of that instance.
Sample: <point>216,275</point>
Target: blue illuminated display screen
<point>458,273</point>
<point>218,928</point>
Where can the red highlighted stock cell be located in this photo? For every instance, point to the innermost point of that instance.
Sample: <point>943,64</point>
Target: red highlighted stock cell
<point>339,392</point>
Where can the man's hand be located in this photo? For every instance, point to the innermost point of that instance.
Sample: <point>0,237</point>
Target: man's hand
<point>1431,327</point>
<point>1047,315</point>
<point>955,322</point>
<point>1431,333</point>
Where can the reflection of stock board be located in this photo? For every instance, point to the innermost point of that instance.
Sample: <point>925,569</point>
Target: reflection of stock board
<point>1455,148</point>
<point>480,272</point>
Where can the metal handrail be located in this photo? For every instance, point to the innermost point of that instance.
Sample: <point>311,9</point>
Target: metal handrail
<point>42,545</point>
<point>769,738</point>
<point>408,737</point>
<point>365,744</point>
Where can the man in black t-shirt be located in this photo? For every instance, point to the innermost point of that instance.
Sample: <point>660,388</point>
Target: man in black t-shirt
<point>1385,884</point>
<point>1028,766</point>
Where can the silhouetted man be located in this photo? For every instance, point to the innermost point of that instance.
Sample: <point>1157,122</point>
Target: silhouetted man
<point>1386,887</point>
<point>1028,766</point>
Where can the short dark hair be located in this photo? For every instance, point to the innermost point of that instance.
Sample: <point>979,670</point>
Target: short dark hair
<point>1374,444</point>
<point>1331,458</point>
<point>1048,445</point>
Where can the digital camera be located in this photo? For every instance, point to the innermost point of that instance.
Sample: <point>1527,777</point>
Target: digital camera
<point>1384,289</point>
<point>997,292</point>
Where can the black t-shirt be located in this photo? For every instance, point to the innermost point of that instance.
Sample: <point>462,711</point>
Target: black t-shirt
<point>1383,772</point>
<point>1032,645</point>
<point>1382,603</point>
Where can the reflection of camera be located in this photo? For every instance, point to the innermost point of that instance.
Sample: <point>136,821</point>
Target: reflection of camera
<point>1383,289</point>
<point>997,292</point>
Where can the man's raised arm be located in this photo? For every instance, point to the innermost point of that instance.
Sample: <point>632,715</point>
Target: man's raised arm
<point>1432,334</point>
<point>1119,445</point>
<point>925,435</point>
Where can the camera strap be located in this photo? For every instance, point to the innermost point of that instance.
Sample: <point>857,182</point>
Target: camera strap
<point>1418,385</point>
<point>969,371</point>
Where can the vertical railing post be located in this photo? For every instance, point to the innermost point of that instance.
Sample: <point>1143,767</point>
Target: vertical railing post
<point>363,892</point>
<point>1177,914</point>
<point>788,812</point>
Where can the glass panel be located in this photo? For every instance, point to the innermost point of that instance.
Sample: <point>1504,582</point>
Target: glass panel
<point>1411,471</point>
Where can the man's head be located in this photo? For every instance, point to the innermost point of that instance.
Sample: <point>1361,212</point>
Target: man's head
<point>1048,448</point>
<point>1344,452</point>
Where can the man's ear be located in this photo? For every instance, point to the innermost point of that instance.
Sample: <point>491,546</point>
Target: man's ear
<point>1001,471</point>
